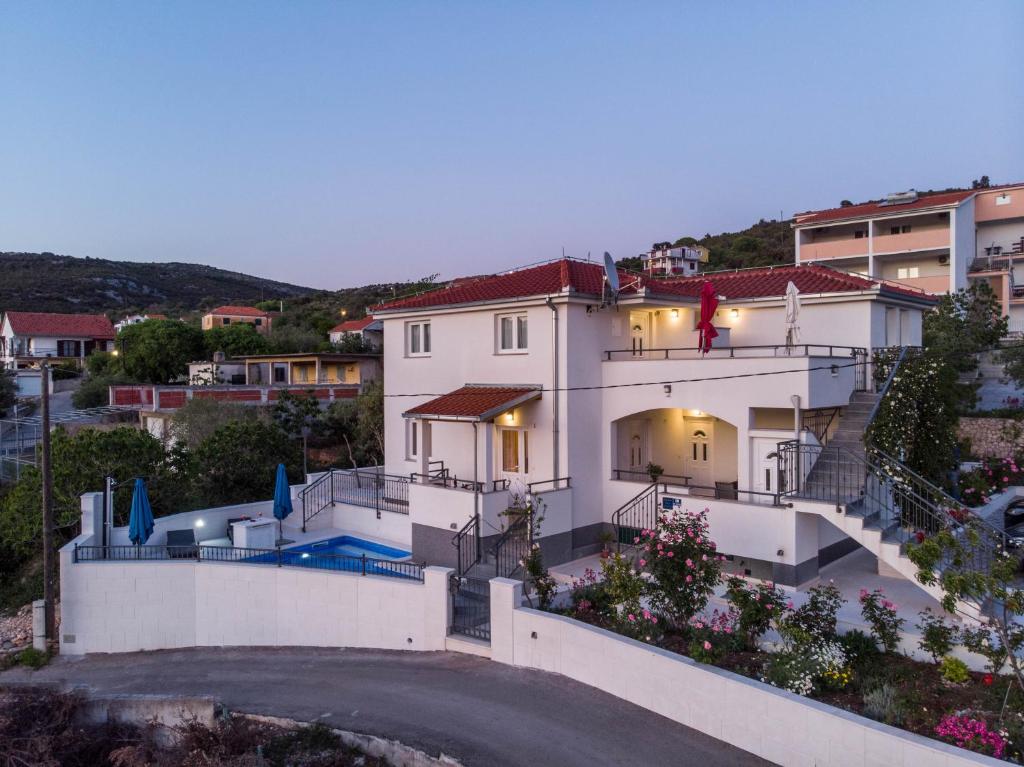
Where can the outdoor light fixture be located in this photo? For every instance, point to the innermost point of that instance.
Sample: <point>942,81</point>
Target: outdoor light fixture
<point>734,313</point>
<point>305,555</point>
<point>510,416</point>
<point>834,370</point>
<point>698,412</point>
<point>668,389</point>
<point>200,523</point>
<point>675,314</point>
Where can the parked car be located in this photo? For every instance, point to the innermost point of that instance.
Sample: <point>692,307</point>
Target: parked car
<point>1013,524</point>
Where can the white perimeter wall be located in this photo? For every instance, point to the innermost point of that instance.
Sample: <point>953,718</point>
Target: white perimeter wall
<point>126,607</point>
<point>779,726</point>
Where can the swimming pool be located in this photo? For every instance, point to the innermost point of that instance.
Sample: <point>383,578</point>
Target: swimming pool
<point>346,553</point>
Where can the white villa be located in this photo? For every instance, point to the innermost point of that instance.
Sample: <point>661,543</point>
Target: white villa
<point>539,381</point>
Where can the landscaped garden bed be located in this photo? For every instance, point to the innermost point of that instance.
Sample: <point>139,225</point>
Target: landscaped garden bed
<point>660,596</point>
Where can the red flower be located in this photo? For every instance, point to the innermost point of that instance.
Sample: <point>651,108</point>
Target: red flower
<point>920,536</point>
<point>987,680</point>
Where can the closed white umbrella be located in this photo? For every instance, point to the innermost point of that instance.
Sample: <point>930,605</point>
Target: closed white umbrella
<point>792,314</point>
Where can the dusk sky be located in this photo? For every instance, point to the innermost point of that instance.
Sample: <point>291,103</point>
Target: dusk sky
<point>333,144</point>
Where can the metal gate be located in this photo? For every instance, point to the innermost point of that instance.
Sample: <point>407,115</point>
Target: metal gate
<point>471,607</point>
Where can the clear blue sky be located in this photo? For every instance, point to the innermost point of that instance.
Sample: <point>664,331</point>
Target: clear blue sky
<point>333,144</point>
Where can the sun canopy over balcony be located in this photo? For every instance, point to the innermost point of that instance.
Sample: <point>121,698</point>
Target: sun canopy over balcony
<point>475,403</point>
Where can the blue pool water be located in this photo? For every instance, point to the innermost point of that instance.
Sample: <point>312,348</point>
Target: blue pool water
<point>351,546</point>
<point>347,554</point>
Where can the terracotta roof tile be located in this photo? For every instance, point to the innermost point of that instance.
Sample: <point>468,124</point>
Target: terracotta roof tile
<point>239,311</point>
<point>95,326</point>
<point>876,208</point>
<point>352,326</point>
<point>474,402</point>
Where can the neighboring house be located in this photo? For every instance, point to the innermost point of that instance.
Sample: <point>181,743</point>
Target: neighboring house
<point>938,242</point>
<point>685,261</point>
<point>226,315</point>
<point>27,338</point>
<point>369,329</point>
<point>313,368</point>
<point>528,382</point>
<point>135,319</point>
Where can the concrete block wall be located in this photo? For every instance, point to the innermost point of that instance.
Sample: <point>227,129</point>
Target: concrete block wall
<point>776,725</point>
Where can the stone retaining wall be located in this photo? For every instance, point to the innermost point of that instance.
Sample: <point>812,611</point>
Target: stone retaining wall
<point>992,437</point>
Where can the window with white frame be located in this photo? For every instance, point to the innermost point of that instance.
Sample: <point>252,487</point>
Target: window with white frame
<point>908,272</point>
<point>412,439</point>
<point>512,333</point>
<point>417,338</point>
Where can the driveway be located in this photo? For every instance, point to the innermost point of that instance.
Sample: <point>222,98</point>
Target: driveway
<point>482,713</point>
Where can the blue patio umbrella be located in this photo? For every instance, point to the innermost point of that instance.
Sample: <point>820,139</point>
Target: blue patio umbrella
<point>140,522</point>
<point>282,499</point>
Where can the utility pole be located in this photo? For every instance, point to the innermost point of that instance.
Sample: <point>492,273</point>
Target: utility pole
<point>48,549</point>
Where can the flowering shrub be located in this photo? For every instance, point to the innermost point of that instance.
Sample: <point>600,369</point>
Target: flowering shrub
<point>972,734</point>
<point>954,670</point>
<point>802,671</point>
<point>589,597</point>
<point>683,563</point>
<point>712,637</point>
<point>815,620</point>
<point>624,588</point>
<point>938,638</point>
<point>756,607</point>
<point>993,476</point>
<point>880,614</point>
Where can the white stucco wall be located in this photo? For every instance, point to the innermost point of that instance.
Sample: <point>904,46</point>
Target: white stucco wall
<point>776,725</point>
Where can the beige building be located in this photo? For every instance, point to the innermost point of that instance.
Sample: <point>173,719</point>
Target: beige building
<point>227,315</point>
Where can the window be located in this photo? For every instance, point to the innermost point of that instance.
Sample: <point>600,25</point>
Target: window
<point>280,374</point>
<point>860,234</point>
<point>226,321</point>
<point>512,335</point>
<point>908,272</point>
<point>905,229</point>
<point>417,336</point>
<point>258,321</point>
<point>515,452</point>
<point>412,439</point>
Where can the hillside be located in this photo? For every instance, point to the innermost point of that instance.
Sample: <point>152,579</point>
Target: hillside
<point>48,282</point>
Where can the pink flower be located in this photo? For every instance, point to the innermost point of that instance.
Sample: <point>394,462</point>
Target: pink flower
<point>689,563</point>
<point>689,579</point>
<point>643,562</point>
<point>671,554</point>
<point>632,618</point>
<point>654,619</point>
<point>707,645</point>
<point>704,557</point>
<point>789,605</point>
<point>647,614</point>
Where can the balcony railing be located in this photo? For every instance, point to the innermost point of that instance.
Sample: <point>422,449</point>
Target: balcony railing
<point>455,483</point>
<point>730,352</point>
<point>921,239</point>
<point>853,247</point>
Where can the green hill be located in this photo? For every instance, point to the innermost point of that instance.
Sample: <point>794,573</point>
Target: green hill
<point>46,282</point>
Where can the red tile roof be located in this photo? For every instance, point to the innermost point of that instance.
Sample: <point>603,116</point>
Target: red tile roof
<point>94,326</point>
<point>876,208</point>
<point>352,326</point>
<point>546,279</point>
<point>238,311</point>
<point>585,278</point>
<point>474,403</point>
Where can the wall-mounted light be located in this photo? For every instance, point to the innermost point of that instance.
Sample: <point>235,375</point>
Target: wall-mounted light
<point>668,389</point>
<point>834,370</point>
<point>698,412</point>
<point>675,314</point>
<point>510,417</point>
<point>200,523</point>
<point>734,313</point>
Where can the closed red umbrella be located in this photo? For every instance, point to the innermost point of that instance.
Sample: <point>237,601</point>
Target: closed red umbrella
<point>708,305</point>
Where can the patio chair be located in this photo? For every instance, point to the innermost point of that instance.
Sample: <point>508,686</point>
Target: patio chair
<point>181,544</point>
<point>726,491</point>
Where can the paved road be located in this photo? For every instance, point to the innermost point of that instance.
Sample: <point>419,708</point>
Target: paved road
<point>481,712</point>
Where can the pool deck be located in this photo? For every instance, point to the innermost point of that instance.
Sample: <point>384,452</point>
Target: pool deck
<point>296,537</point>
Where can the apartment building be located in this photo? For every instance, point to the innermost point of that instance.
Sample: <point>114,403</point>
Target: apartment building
<point>936,242</point>
<point>542,381</point>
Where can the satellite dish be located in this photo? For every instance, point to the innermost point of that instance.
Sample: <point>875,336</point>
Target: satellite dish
<point>611,274</point>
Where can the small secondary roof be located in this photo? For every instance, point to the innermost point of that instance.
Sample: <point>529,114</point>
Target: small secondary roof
<point>474,403</point>
<point>92,326</point>
<point>353,326</point>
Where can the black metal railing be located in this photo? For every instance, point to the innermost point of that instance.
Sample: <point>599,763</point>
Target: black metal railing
<point>511,549</point>
<point>455,483</point>
<point>467,546</point>
<point>361,565</point>
<point>315,497</point>
<point>729,352</point>
<point>818,422</point>
<point>638,513</point>
<point>374,490</point>
<point>639,475</point>
<point>471,607</point>
<point>545,485</point>
<point>861,377</point>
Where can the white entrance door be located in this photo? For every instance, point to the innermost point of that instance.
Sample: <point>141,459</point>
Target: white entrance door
<point>765,468</point>
<point>640,332</point>
<point>514,457</point>
<point>636,450</point>
<point>699,463</point>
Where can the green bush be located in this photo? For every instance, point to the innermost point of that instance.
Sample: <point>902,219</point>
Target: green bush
<point>883,705</point>
<point>816,618</point>
<point>756,607</point>
<point>954,670</point>
<point>859,647</point>
<point>33,658</point>
<point>938,638</point>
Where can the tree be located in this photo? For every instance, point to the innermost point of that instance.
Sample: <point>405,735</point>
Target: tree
<point>630,263</point>
<point>358,424</point>
<point>964,324</point>
<point>199,418</point>
<point>295,411</point>
<point>981,183</point>
<point>370,419</point>
<point>237,463</point>
<point>8,391</point>
<point>94,391</point>
<point>235,340</point>
<point>158,351</point>
<point>353,343</point>
<point>80,464</point>
<point>289,339</point>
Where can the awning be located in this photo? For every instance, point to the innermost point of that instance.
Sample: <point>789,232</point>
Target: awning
<point>474,403</point>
